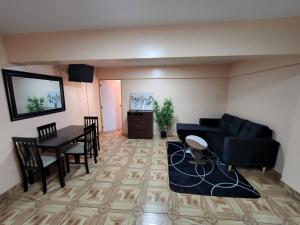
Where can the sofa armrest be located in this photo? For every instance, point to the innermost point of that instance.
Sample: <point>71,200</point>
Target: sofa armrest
<point>256,152</point>
<point>211,122</point>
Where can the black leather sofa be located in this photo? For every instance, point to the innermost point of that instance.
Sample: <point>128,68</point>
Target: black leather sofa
<point>236,141</point>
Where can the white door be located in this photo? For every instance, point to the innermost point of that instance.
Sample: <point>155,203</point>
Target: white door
<point>111,104</point>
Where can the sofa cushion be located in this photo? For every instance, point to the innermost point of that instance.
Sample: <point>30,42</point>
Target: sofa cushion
<point>215,142</point>
<point>225,121</point>
<point>235,125</point>
<point>254,130</point>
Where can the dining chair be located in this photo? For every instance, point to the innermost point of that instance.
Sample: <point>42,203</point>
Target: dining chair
<point>88,120</point>
<point>79,149</point>
<point>47,130</point>
<point>31,160</point>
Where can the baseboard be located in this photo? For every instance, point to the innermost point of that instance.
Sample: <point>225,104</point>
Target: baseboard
<point>292,193</point>
<point>12,193</point>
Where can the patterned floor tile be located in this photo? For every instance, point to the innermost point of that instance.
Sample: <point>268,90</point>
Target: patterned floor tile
<point>96,194</point>
<point>223,208</point>
<point>139,162</point>
<point>159,152</point>
<point>158,178</point>
<point>116,217</point>
<point>109,174</point>
<point>154,219</point>
<point>261,210</point>
<point>81,216</point>
<point>188,220</point>
<point>49,214</point>
<point>159,163</point>
<point>17,212</point>
<point>157,200</point>
<point>125,197</point>
<point>188,205</point>
<point>70,192</point>
<point>129,185</point>
<point>133,176</point>
<point>265,186</point>
<point>141,152</point>
<point>119,160</point>
<point>287,207</point>
<point>231,222</point>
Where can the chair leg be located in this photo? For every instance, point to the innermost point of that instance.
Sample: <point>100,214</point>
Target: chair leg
<point>25,181</point>
<point>67,163</point>
<point>86,163</point>
<point>95,155</point>
<point>30,177</point>
<point>43,177</point>
<point>98,146</point>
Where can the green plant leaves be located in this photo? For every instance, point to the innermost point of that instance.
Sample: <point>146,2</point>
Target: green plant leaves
<point>164,114</point>
<point>35,104</point>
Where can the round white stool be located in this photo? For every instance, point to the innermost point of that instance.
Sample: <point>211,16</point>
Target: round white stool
<point>196,145</point>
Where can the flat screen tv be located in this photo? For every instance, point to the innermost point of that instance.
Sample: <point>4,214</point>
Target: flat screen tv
<point>81,73</point>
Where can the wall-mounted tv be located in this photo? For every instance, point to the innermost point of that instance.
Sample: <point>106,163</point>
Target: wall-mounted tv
<point>30,94</point>
<point>81,73</point>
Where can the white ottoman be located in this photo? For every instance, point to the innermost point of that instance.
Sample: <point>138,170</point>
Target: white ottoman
<point>197,145</point>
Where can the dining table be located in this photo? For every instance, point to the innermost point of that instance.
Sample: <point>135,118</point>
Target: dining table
<point>58,141</point>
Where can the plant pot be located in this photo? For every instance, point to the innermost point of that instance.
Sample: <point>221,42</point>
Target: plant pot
<point>163,134</point>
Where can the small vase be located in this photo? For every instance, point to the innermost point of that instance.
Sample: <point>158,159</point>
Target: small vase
<point>163,134</point>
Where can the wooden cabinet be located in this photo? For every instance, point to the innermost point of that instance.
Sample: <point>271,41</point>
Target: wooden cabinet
<point>140,124</point>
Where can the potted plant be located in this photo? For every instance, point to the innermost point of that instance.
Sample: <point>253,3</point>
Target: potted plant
<point>163,116</point>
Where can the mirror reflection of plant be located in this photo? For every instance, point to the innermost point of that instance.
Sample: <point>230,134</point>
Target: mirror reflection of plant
<point>35,104</point>
<point>164,114</point>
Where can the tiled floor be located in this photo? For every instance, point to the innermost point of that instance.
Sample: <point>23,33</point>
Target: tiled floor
<point>129,185</point>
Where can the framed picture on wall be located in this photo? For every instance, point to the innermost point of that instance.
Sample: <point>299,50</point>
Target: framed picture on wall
<point>141,101</point>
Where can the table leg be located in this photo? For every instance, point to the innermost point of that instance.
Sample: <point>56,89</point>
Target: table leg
<point>60,168</point>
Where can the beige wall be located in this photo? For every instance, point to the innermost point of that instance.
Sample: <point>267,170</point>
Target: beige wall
<point>201,94</point>
<point>76,108</point>
<point>268,92</point>
<point>165,72</point>
<point>261,37</point>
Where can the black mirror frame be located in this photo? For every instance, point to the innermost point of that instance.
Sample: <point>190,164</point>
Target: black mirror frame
<point>7,78</point>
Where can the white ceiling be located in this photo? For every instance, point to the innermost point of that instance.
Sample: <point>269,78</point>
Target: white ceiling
<point>57,15</point>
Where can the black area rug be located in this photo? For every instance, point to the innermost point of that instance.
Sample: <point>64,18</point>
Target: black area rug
<point>211,178</point>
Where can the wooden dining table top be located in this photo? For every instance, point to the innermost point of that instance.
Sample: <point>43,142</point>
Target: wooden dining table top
<point>62,137</point>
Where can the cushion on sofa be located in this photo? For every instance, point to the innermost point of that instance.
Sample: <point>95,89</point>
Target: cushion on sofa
<point>216,141</point>
<point>254,130</point>
<point>235,125</point>
<point>224,122</point>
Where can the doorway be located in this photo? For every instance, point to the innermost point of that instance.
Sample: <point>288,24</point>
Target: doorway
<point>111,105</point>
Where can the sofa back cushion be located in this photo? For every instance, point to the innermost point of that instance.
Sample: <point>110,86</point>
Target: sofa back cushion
<point>224,122</point>
<point>235,125</point>
<point>254,130</point>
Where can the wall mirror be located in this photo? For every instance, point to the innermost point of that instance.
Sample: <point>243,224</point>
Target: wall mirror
<point>30,95</point>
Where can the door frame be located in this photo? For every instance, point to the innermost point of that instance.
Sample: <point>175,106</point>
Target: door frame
<point>101,105</point>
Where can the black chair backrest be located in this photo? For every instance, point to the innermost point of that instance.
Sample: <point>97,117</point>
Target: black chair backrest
<point>88,120</point>
<point>47,130</point>
<point>90,138</point>
<point>27,153</point>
